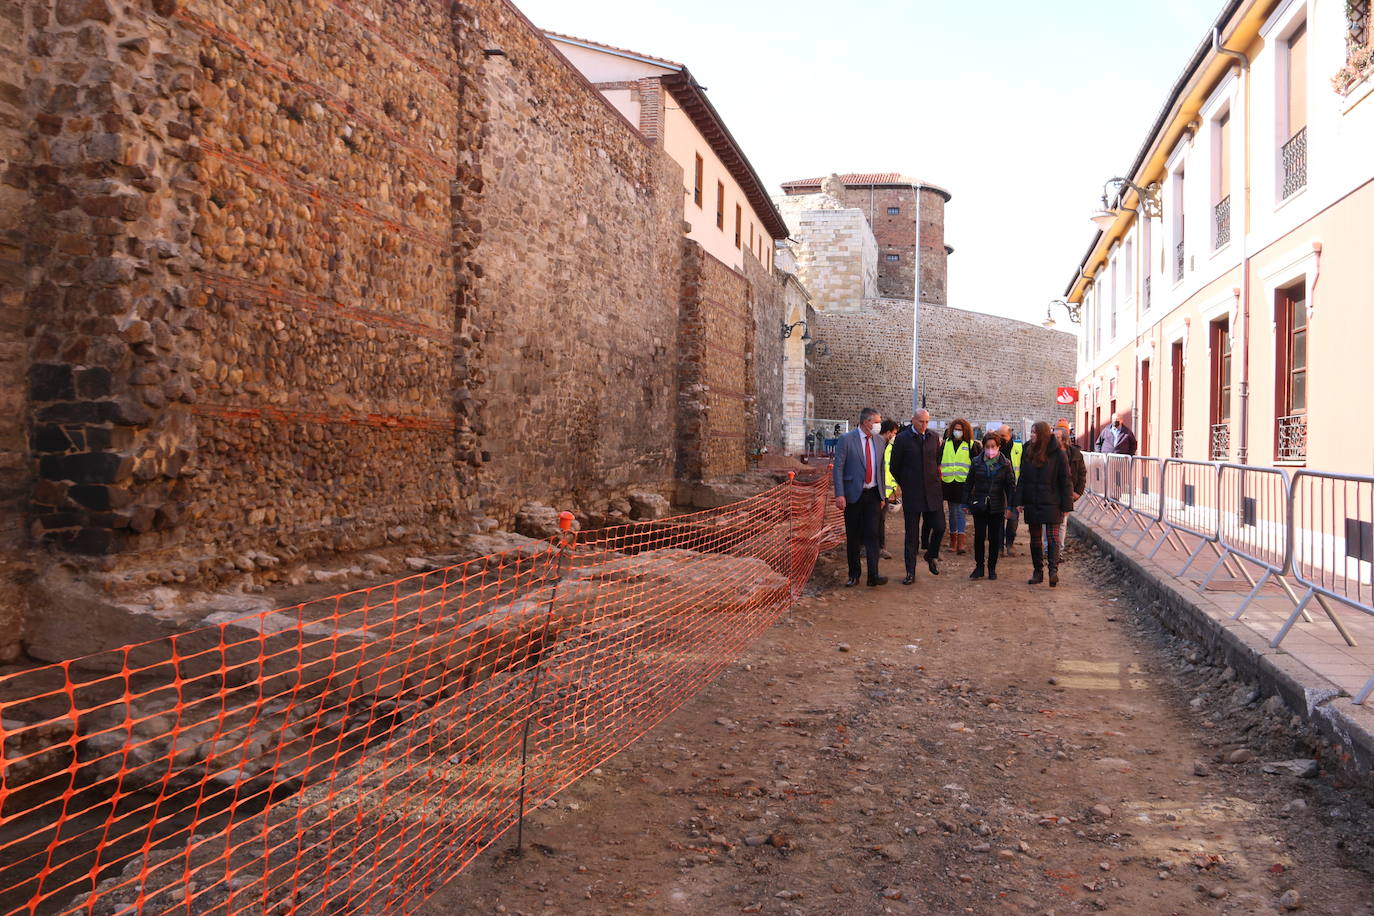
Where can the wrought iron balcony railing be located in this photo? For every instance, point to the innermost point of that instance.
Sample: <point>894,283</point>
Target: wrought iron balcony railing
<point>1295,164</point>
<point>1221,441</point>
<point>1178,261</point>
<point>1293,438</point>
<point>1177,451</point>
<point>1221,219</point>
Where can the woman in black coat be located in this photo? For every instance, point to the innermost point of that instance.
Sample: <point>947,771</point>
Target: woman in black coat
<point>988,493</point>
<point>1044,495</point>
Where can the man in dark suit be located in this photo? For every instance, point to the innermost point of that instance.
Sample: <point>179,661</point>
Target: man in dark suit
<point>858,474</point>
<point>916,468</point>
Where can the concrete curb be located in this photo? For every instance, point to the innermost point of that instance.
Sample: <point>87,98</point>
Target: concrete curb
<point>1324,706</point>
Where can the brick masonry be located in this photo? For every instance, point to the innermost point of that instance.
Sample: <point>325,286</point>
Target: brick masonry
<point>288,281</point>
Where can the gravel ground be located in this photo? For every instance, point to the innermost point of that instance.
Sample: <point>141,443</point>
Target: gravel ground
<point>951,747</point>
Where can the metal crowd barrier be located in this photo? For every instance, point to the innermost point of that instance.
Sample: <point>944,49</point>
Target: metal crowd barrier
<point>1147,502</point>
<point>1316,528</point>
<point>1188,505</point>
<point>1332,552</point>
<point>1253,524</point>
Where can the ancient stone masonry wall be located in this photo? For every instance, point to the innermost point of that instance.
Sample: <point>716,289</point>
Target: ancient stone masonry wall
<point>569,279</point>
<point>114,330</point>
<point>323,412</point>
<point>716,331</point>
<point>934,259</point>
<point>239,285</point>
<point>769,311</point>
<point>16,471</point>
<point>868,363</point>
<point>286,280</point>
<point>836,253</point>
<point>1032,361</point>
<point>895,233</point>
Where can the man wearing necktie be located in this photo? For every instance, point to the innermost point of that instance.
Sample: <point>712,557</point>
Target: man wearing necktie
<point>858,476</point>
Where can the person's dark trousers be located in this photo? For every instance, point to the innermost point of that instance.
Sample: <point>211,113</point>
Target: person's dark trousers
<point>987,531</point>
<point>1010,537</point>
<point>861,528</point>
<point>923,530</point>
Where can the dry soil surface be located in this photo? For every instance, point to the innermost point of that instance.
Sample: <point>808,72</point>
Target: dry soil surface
<point>950,747</point>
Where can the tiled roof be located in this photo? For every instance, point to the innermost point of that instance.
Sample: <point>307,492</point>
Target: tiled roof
<point>614,50</point>
<point>865,179</point>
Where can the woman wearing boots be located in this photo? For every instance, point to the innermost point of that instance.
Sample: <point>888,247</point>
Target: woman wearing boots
<point>956,455</point>
<point>988,493</point>
<point>1044,495</point>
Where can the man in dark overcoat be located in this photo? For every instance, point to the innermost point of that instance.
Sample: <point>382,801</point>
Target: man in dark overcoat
<point>916,468</point>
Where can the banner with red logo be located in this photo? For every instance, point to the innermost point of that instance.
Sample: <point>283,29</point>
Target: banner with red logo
<point>1066,395</point>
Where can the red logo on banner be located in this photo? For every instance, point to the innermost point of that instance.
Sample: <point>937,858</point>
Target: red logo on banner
<point>1066,395</point>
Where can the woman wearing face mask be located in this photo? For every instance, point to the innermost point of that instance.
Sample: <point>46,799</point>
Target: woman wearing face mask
<point>1044,494</point>
<point>988,493</point>
<point>955,459</point>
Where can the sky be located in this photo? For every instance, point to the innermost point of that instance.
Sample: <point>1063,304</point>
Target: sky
<point>1020,110</point>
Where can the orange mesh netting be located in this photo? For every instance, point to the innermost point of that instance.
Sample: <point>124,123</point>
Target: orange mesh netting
<point>351,754</point>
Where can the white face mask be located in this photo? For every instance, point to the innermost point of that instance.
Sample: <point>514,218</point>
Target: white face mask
<point>958,434</point>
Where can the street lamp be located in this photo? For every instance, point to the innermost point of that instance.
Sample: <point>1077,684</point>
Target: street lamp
<point>1074,309</point>
<point>1111,211</point>
<point>787,331</point>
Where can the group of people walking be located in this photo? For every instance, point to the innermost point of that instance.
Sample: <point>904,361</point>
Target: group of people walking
<point>996,479</point>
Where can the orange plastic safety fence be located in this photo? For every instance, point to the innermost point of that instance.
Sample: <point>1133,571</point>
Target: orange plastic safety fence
<point>351,754</point>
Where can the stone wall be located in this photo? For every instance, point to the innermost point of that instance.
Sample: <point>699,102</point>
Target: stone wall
<point>894,235</point>
<point>836,254</point>
<point>797,362</point>
<point>715,338</point>
<point>767,297</point>
<point>305,279</point>
<point>869,364</point>
<point>1031,362</point>
<point>569,281</point>
<point>15,211</point>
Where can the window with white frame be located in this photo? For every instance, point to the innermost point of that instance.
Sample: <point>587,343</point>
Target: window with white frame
<point>1114,293</point>
<point>1178,201</point>
<point>1128,268</point>
<point>1292,110</point>
<point>1221,180</point>
<point>1146,261</point>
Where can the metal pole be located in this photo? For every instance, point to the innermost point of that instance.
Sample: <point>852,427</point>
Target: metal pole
<point>916,312</point>
<point>565,520</point>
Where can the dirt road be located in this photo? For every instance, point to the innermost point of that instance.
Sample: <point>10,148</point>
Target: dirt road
<point>950,747</point>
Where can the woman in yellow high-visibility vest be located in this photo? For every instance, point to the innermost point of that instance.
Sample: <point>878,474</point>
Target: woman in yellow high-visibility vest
<point>888,430</point>
<point>955,460</point>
